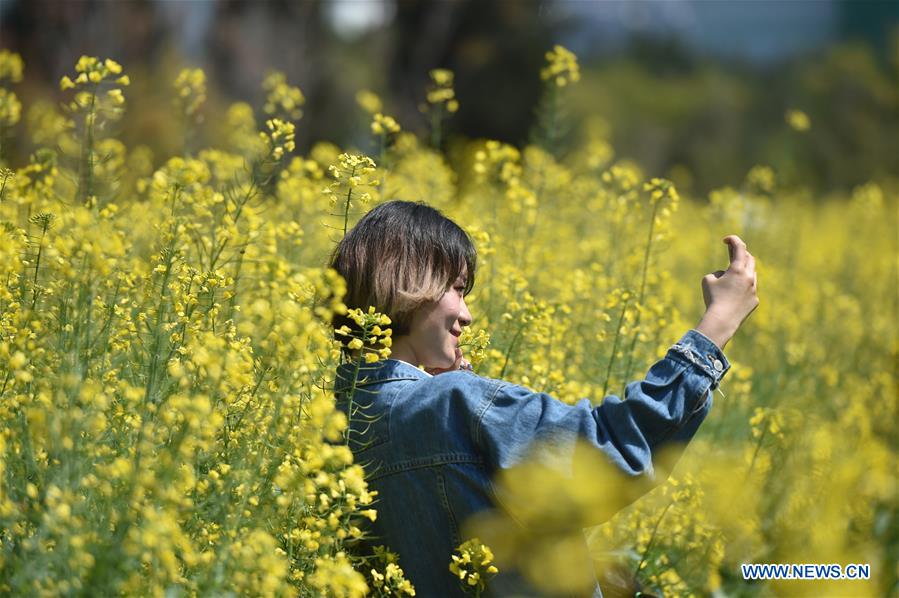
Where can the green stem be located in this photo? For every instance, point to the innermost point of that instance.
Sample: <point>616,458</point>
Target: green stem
<point>346,207</point>
<point>215,255</point>
<point>605,387</point>
<point>37,265</point>
<point>549,352</point>
<point>352,392</point>
<point>6,176</point>
<point>755,454</point>
<point>249,399</point>
<point>157,337</point>
<point>630,358</point>
<point>87,188</point>
<point>5,382</point>
<point>233,301</point>
<point>652,538</point>
<point>87,329</point>
<point>109,317</point>
<point>552,128</point>
<point>511,348</point>
<point>436,128</point>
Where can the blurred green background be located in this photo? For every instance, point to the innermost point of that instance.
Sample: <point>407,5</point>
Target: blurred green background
<point>695,91</point>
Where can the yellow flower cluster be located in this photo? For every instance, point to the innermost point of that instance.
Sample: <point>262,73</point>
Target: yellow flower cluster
<point>354,182</point>
<point>354,170</point>
<point>766,421</point>
<point>369,101</point>
<point>561,68</point>
<point>761,179</point>
<point>390,581</point>
<point>335,576</point>
<point>10,108</point>
<point>283,100</point>
<point>92,71</point>
<point>500,164</point>
<point>5,175</point>
<point>441,103</point>
<point>384,125</point>
<point>190,91</point>
<point>474,344</point>
<point>473,565</point>
<point>661,190</point>
<point>497,159</point>
<point>369,334</point>
<point>11,66</point>
<point>280,137</point>
<point>441,92</point>
<point>798,120</point>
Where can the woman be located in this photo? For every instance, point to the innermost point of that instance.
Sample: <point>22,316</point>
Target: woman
<point>432,444</point>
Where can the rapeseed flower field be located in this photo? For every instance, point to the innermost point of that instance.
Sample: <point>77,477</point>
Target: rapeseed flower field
<point>167,423</point>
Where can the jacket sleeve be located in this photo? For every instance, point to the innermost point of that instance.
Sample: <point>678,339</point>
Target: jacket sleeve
<point>664,409</point>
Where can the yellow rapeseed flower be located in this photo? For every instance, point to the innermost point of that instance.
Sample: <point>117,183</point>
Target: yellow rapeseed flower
<point>369,101</point>
<point>562,67</point>
<point>11,66</point>
<point>798,120</point>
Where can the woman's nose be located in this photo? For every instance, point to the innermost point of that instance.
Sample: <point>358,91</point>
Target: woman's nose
<point>464,315</point>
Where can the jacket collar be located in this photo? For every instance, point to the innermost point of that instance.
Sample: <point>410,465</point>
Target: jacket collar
<point>387,370</point>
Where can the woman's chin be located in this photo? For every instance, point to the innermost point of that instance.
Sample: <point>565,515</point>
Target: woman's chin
<point>449,362</point>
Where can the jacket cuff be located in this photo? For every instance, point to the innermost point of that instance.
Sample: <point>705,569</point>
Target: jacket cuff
<point>697,349</point>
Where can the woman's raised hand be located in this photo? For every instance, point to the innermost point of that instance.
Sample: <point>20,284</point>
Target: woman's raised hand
<point>729,295</point>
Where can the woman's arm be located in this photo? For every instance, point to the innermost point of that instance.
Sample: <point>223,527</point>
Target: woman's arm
<point>658,414</point>
<point>666,406</point>
<point>625,438</point>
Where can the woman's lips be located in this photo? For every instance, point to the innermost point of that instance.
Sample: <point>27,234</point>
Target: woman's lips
<point>458,350</point>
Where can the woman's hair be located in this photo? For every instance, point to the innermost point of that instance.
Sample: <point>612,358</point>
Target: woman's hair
<point>399,256</point>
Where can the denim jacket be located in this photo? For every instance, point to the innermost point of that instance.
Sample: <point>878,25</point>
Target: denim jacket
<point>431,445</point>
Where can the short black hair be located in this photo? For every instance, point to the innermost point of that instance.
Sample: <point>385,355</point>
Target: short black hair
<point>400,255</point>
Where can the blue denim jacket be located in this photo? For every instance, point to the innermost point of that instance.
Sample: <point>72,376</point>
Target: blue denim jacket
<point>431,445</point>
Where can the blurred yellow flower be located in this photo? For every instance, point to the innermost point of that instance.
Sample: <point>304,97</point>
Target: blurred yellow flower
<point>798,120</point>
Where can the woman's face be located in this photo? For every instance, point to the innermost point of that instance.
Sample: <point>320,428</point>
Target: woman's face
<point>433,339</point>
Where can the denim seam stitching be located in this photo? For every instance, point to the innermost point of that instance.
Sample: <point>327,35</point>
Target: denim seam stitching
<point>454,528</point>
<point>487,403</point>
<point>705,395</point>
<point>424,463</point>
<point>364,382</point>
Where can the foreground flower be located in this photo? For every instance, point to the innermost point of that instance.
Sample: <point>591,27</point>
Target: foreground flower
<point>473,565</point>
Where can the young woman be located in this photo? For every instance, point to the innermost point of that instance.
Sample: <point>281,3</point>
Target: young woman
<point>432,440</point>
